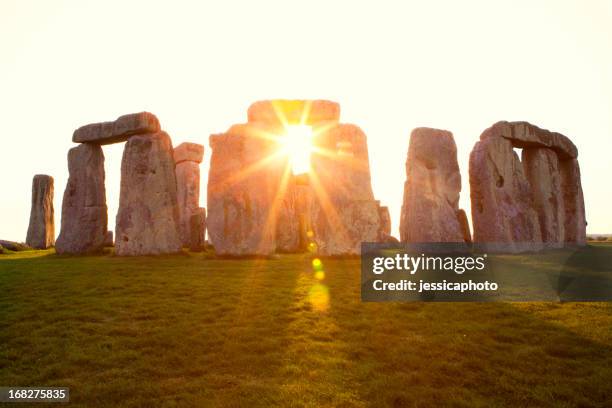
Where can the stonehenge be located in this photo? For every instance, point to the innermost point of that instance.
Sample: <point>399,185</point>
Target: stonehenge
<point>187,157</point>
<point>84,211</point>
<point>41,230</point>
<point>258,205</point>
<point>529,204</point>
<point>148,218</point>
<point>430,211</point>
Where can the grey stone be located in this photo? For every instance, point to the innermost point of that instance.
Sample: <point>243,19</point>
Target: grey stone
<point>84,211</point>
<point>41,231</point>
<point>188,195</point>
<point>117,131</point>
<point>148,216</point>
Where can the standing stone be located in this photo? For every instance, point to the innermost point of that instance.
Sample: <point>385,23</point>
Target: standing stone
<point>573,203</point>
<point>187,157</point>
<point>542,170</point>
<point>197,230</point>
<point>244,184</point>
<point>148,216</point>
<point>41,231</point>
<point>432,188</point>
<point>503,213</point>
<point>465,225</point>
<point>385,224</point>
<point>344,212</point>
<point>294,227</point>
<point>84,212</point>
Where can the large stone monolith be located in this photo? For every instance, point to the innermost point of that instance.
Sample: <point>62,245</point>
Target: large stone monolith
<point>574,220</point>
<point>243,191</point>
<point>432,188</point>
<point>197,230</point>
<point>41,231</point>
<point>296,111</point>
<point>84,212</point>
<point>344,212</point>
<point>503,211</point>
<point>188,157</point>
<point>148,216</point>
<point>294,229</point>
<point>541,167</point>
<point>117,131</point>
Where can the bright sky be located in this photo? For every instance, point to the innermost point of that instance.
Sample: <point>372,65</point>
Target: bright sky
<point>392,65</point>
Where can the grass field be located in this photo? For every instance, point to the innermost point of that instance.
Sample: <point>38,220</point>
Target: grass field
<point>192,330</point>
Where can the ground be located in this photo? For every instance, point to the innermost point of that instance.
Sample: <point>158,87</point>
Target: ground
<point>191,330</point>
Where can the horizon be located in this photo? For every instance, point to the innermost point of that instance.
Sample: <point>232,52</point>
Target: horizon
<point>65,68</point>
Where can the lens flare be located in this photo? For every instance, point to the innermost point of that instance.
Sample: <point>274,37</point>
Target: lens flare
<point>297,144</point>
<point>318,296</point>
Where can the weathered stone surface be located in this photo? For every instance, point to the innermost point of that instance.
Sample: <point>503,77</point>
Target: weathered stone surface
<point>84,211</point>
<point>385,223</point>
<point>117,131</point>
<point>109,240</point>
<point>294,229</point>
<point>148,216</point>
<point>197,230</point>
<point>41,231</point>
<point>525,135</point>
<point>188,195</point>
<point>573,203</point>
<point>503,213</point>
<point>345,213</point>
<point>431,191</point>
<point>13,246</point>
<point>243,187</point>
<point>541,167</point>
<point>305,112</point>
<point>192,152</point>
<point>465,225</point>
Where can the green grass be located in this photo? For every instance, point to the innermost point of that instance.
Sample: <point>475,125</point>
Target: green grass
<point>196,331</point>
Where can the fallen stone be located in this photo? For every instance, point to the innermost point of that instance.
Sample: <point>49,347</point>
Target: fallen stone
<point>305,112</point>
<point>41,231</point>
<point>192,152</point>
<point>503,213</point>
<point>432,188</point>
<point>541,167</point>
<point>526,135</point>
<point>84,211</point>
<point>197,230</point>
<point>14,246</point>
<point>117,131</point>
<point>188,195</point>
<point>148,216</point>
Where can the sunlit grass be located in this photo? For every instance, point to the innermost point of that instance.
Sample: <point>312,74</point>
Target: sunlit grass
<point>196,331</point>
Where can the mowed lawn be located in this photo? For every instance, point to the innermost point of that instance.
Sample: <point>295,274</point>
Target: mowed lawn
<point>191,330</point>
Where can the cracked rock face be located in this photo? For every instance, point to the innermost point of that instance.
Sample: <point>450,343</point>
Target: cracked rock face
<point>41,231</point>
<point>84,211</point>
<point>503,211</point>
<point>430,212</point>
<point>148,216</point>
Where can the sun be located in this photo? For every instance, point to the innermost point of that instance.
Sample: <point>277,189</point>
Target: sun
<point>297,144</point>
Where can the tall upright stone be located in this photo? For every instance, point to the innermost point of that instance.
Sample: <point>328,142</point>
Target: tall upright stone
<point>294,226</point>
<point>148,216</point>
<point>188,157</point>
<point>197,230</point>
<point>84,211</point>
<point>530,205</point>
<point>542,170</point>
<point>41,231</point>
<point>344,213</point>
<point>244,181</point>
<point>430,212</point>
<point>574,220</point>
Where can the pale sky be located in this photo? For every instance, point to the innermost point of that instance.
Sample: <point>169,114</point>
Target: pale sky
<point>392,65</point>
